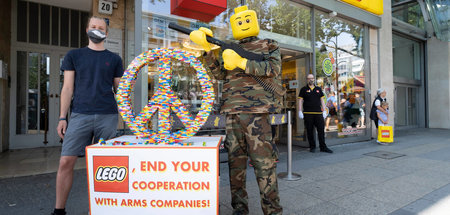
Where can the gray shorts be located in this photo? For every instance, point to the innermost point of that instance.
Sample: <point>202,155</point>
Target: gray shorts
<point>85,129</point>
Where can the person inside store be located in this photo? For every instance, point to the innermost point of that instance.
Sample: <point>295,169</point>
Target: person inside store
<point>362,106</point>
<point>376,105</point>
<point>312,108</point>
<point>332,110</point>
<point>91,76</point>
<point>351,111</point>
<point>247,105</point>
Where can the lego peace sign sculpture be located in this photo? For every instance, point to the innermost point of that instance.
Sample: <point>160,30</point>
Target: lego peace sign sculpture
<point>164,99</point>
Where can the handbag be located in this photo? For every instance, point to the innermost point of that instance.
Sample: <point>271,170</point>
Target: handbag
<point>385,134</point>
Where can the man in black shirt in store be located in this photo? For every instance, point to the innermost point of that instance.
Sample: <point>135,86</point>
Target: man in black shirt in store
<point>312,109</point>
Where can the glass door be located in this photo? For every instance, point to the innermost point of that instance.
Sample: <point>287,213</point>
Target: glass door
<point>406,106</point>
<point>35,99</point>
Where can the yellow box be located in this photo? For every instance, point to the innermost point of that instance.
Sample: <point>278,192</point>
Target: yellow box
<point>373,6</point>
<point>385,134</point>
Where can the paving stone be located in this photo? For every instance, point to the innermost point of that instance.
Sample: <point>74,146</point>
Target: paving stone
<point>404,185</point>
<point>323,191</point>
<point>439,194</point>
<point>383,194</point>
<point>364,205</point>
<point>419,206</point>
<point>347,183</point>
<point>295,200</point>
<point>402,212</point>
<point>327,208</point>
<point>375,175</point>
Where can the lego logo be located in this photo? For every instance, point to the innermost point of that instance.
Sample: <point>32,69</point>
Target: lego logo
<point>111,174</point>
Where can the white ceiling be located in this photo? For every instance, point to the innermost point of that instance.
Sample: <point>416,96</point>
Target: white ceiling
<point>83,5</point>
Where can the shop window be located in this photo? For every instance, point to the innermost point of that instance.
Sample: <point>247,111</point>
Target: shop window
<point>407,55</point>
<point>341,74</point>
<point>156,34</point>
<point>45,24</point>
<point>22,16</point>
<point>84,41</point>
<point>284,21</point>
<point>55,26</point>
<point>74,28</point>
<point>409,12</point>
<point>50,25</point>
<point>64,27</point>
<point>33,22</point>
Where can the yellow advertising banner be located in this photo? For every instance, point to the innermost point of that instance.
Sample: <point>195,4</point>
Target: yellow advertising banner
<point>373,6</point>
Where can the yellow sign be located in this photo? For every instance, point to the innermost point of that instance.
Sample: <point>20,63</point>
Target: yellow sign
<point>373,6</point>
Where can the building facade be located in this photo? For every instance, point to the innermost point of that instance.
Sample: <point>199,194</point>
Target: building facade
<point>352,52</point>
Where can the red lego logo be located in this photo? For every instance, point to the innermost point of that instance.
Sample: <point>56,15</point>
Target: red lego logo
<point>385,133</point>
<point>111,174</point>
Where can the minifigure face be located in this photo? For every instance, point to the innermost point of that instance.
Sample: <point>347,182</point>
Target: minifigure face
<point>244,23</point>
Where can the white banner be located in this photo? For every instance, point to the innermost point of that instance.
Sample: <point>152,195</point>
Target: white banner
<point>154,179</point>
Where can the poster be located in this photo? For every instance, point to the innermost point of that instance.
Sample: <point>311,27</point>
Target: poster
<point>154,179</point>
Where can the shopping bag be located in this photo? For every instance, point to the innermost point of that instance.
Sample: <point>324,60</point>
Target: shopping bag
<point>385,134</point>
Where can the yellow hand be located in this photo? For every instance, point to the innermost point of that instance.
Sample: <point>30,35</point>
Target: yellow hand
<point>231,60</point>
<point>216,122</point>
<point>199,37</point>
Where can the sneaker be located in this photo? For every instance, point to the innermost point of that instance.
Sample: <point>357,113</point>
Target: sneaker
<point>327,150</point>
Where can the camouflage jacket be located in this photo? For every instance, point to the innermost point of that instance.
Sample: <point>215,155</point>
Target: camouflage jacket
<point>241,92</point>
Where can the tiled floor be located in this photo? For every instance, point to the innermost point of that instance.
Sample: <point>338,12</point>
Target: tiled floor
<point>24,162</point>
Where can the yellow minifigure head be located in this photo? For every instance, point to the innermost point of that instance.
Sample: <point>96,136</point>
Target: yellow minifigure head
<point>244,23</point>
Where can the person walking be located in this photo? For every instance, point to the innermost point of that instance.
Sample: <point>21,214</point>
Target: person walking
<point>90,76</point>
<point>247,105</point>
<point>312,109</point>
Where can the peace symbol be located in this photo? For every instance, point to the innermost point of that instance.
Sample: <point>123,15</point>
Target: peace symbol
<point>164,99</point>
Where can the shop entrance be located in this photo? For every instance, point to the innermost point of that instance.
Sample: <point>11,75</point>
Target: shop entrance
<point>36,87</point>
<point>409,70</point>
<point>295,66</point>
<point>406,106</point>
<point>41,35</point>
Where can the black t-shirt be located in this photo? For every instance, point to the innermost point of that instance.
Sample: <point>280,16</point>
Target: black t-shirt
<point>311,100</point>
<point>94,80</point>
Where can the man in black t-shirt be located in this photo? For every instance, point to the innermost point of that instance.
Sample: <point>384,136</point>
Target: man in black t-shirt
<point>312,109</point>
<point>91,76</point>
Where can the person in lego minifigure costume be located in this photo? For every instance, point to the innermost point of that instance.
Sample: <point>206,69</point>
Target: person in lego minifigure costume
<point>247,106</point>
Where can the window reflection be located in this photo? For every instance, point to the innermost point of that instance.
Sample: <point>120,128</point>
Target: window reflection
<point>340,73</point>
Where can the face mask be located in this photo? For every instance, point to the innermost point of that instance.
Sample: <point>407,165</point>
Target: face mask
<point>96,36</point>
<point>311,82</point>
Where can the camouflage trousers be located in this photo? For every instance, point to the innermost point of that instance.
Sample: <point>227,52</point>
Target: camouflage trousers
<point>250,135</point>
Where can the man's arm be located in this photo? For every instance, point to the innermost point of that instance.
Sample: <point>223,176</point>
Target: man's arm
<point>66,99</point>
<point>215,65</point>
<point>300,104</point>
<point>270,67</point>
<point>67,92</point>
<point>382,109</point>
<point>322,103</point>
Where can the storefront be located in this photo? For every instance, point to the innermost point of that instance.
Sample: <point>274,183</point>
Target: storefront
<point>309,38</point>
<point>351,51</point>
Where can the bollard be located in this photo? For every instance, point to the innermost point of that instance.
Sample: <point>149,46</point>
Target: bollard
<point>289,175</point>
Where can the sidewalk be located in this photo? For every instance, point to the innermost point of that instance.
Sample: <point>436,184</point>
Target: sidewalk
<point>350,181</point>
